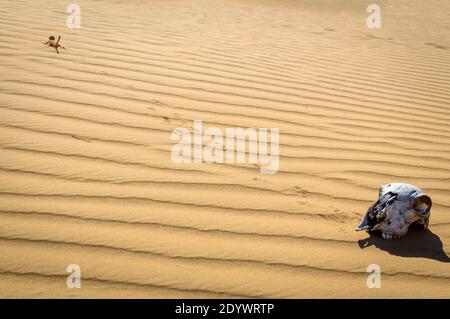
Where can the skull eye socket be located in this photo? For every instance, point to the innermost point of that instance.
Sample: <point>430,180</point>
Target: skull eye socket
<point>422,204</point>
<point>388,222</point>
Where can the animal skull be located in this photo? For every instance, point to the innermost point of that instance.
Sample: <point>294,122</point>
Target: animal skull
<point>398,206</point>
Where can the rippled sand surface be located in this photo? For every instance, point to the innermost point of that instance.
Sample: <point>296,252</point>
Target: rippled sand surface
<point>86,175</point>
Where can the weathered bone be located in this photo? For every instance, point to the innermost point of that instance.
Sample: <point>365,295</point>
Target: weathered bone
<point>398,206</point>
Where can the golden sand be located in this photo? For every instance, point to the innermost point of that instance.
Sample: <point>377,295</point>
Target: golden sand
<point>86,175</point>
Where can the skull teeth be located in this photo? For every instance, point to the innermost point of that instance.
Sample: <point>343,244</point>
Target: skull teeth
<point>386,236</point>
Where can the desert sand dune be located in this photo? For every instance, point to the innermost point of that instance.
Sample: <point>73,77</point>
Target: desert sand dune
<point>85,142</point>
